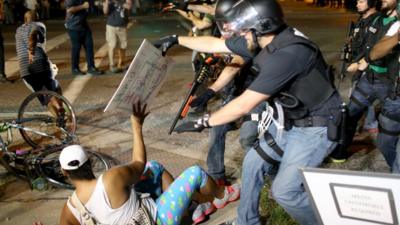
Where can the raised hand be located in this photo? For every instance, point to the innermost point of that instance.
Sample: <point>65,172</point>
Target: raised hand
<point>139,112</point>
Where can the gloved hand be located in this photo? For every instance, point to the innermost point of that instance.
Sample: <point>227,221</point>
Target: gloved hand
<point>203,98</point>
<point>166,42</point>
<point>194,126</point>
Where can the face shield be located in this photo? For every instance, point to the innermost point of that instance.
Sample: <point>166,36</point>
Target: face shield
<point>240,18</point>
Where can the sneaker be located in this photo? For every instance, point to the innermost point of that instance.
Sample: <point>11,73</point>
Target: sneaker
<point>115,69</point>
<point>201,211</point>
<point>94,72</point>
<point>77,72</point>
<point>232,193</point>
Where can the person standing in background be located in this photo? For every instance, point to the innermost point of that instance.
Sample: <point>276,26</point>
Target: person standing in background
<point>117,12</point>
<point>80,35</point>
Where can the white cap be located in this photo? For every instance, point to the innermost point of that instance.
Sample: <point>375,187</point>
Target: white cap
<point>72,153</point>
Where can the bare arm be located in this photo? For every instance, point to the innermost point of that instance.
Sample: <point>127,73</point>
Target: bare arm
<point>384,47</point>
<point>75,9</point>
<point>32,42</point>
<point>106,7</point>
<point>228,73</point>
<point>67,218</point>
<point>202,8</point>
<point>126,175</point>
<point>207,44</point>
<point>201,24</point>
<point>237,108</point>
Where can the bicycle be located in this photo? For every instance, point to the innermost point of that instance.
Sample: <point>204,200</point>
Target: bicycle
<point>46,131</point>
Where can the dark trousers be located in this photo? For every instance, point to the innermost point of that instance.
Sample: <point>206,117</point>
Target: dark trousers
<point>79,38</point>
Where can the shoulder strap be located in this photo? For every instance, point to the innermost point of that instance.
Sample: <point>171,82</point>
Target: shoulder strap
<point>87,217</point>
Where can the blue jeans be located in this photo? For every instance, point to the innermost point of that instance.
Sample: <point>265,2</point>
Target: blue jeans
<point>370,119</point>
<point>377,90</point>
<point>81,38</point>
<point>303,147</point>
<point>396,164</point>
<point>217,137</point>
<point>389,120</point>
<point>216,151</point>
<point>248,130</point>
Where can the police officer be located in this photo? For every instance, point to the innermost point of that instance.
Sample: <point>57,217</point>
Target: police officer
<point>358,47</point>
<point>378,84</point>
<point>231,82</point>
<point>287,62</point>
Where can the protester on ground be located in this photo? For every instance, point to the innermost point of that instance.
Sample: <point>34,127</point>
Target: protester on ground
<point>80,35</point>
<point>117,12</point>
<point>110,199</point>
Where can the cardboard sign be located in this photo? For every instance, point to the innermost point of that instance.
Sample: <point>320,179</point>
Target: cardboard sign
<point>143,80</point>
<point>341,197</point>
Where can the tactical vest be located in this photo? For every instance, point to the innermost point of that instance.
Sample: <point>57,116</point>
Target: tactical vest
<point>312,87</point>
<point>359,36</point>
<point>393,71</point>
<point>379,68</point>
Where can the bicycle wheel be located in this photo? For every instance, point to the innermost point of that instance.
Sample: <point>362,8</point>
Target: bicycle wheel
<point>48,119</point>
<point>48,167</point>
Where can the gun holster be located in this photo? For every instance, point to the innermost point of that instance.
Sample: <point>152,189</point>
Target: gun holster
<point>337,124</point>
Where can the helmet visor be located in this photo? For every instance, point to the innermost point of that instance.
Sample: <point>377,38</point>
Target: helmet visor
<point>241,18</point>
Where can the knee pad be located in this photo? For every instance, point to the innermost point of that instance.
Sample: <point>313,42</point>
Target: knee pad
<point>386,125</point>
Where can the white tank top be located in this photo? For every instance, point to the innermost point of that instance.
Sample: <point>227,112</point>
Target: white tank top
<point>99,206</point>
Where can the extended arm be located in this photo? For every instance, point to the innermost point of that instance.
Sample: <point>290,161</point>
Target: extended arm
<point>237,108</point>
<point>202,8</point>
<point>207,44</point>
<point>196,21</point>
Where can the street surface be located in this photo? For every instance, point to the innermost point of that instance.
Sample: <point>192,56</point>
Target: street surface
<point>110,132</point>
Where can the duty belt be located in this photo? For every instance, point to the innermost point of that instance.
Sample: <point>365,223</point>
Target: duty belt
<point>311,121</point>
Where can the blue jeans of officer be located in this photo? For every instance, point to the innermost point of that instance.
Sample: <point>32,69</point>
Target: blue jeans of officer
<point>396,164</point>
<point>81,38</point>
<point>303,147</point>
<point>215,157</point>
<point>388,119</point>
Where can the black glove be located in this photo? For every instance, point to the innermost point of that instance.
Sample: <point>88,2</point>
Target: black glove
<point>166,42</point>
<point>203,98</point>
<point>194,126</point>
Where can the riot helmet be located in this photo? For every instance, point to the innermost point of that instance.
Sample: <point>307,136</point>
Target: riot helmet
<point>262,16</point>
<point>221,8</point>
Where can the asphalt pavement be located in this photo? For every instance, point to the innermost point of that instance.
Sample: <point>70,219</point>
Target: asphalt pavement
<point>110,132</point>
